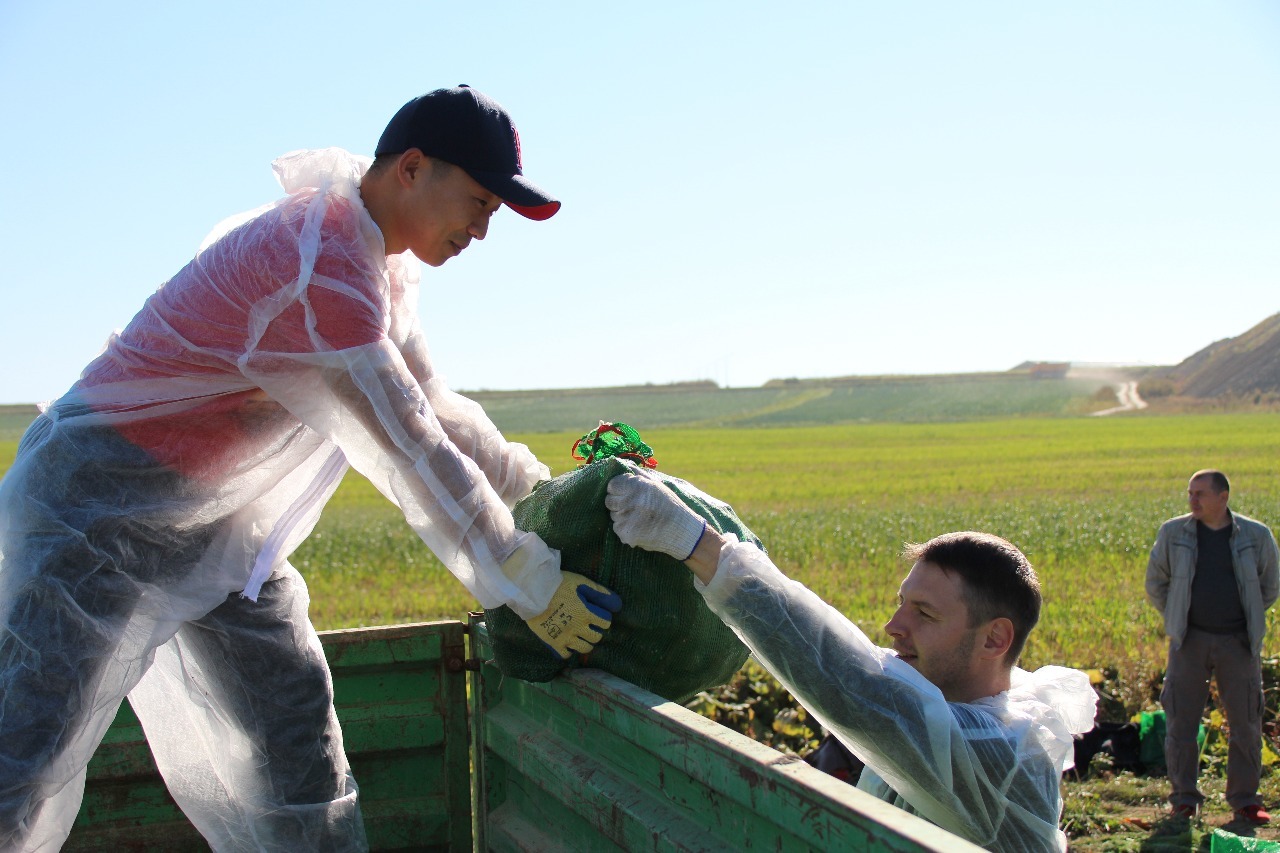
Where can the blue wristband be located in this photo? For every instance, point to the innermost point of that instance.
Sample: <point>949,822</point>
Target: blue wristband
<point>698,540</point>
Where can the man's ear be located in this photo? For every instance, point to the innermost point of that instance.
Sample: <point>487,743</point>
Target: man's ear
<point>998,637</point>
<point>410,166</point>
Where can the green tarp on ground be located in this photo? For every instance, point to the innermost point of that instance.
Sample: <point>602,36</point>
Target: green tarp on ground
<point>1226,842</point>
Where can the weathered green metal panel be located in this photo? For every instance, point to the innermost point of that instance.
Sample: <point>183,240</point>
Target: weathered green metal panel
<point>401,696</point>
<point>590,762</point>
<point>126,805</point>
<point>585,762</point>
<point>401,699</point>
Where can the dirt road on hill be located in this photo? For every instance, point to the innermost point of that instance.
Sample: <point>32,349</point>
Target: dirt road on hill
<point>1127,398</point>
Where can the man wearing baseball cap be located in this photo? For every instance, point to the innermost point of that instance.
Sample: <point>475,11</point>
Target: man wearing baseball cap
<point>472,131</point>
<point>150,513</point>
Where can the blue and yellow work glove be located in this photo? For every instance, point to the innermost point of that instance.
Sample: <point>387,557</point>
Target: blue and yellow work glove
<point>579,611</point>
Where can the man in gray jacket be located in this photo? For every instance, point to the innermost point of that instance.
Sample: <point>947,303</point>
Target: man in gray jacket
<point>1212,575</point>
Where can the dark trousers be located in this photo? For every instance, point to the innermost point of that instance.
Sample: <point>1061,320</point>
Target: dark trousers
<point>1238,672</point>
<point>103,593</point>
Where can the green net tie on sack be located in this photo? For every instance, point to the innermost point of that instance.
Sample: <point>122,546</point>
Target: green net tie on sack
<point>618,440</point>
<point>664,639</point>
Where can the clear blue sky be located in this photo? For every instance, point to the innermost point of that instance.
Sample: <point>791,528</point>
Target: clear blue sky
<point>750,190</point>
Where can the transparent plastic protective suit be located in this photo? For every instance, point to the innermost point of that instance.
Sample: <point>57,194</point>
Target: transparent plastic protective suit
<point>146,523</point>
<point>988,771</point>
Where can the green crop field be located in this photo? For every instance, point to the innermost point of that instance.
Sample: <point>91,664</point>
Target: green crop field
<point>1082,497</point>
<point>834,505</point>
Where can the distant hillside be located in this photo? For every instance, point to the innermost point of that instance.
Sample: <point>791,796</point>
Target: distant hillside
<point>1038,389</point>
<point>14,419</point>
<point>796,402</point>
<point>1248,364</point>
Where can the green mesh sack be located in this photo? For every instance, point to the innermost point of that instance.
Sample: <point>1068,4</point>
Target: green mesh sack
<point>664,638</point>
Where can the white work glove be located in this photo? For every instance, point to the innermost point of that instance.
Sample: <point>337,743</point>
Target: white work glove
<point>579,612</point>
<point>646,514</point>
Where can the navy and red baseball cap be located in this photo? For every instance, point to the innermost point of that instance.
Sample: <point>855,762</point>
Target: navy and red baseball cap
<point>472,131</point>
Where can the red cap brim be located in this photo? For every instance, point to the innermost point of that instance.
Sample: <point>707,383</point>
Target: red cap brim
<point>537,212</point>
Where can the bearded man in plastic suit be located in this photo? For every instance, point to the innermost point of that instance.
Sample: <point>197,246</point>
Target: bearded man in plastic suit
<point>946,724</point>
<point>146,524</point>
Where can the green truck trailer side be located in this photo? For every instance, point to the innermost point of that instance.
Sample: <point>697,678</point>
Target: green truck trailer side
<point>451,755</point>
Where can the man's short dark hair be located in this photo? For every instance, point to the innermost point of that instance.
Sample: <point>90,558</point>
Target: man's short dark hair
<point>997,578</point>
<point>384,161</point>
<point>1216,478</point>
